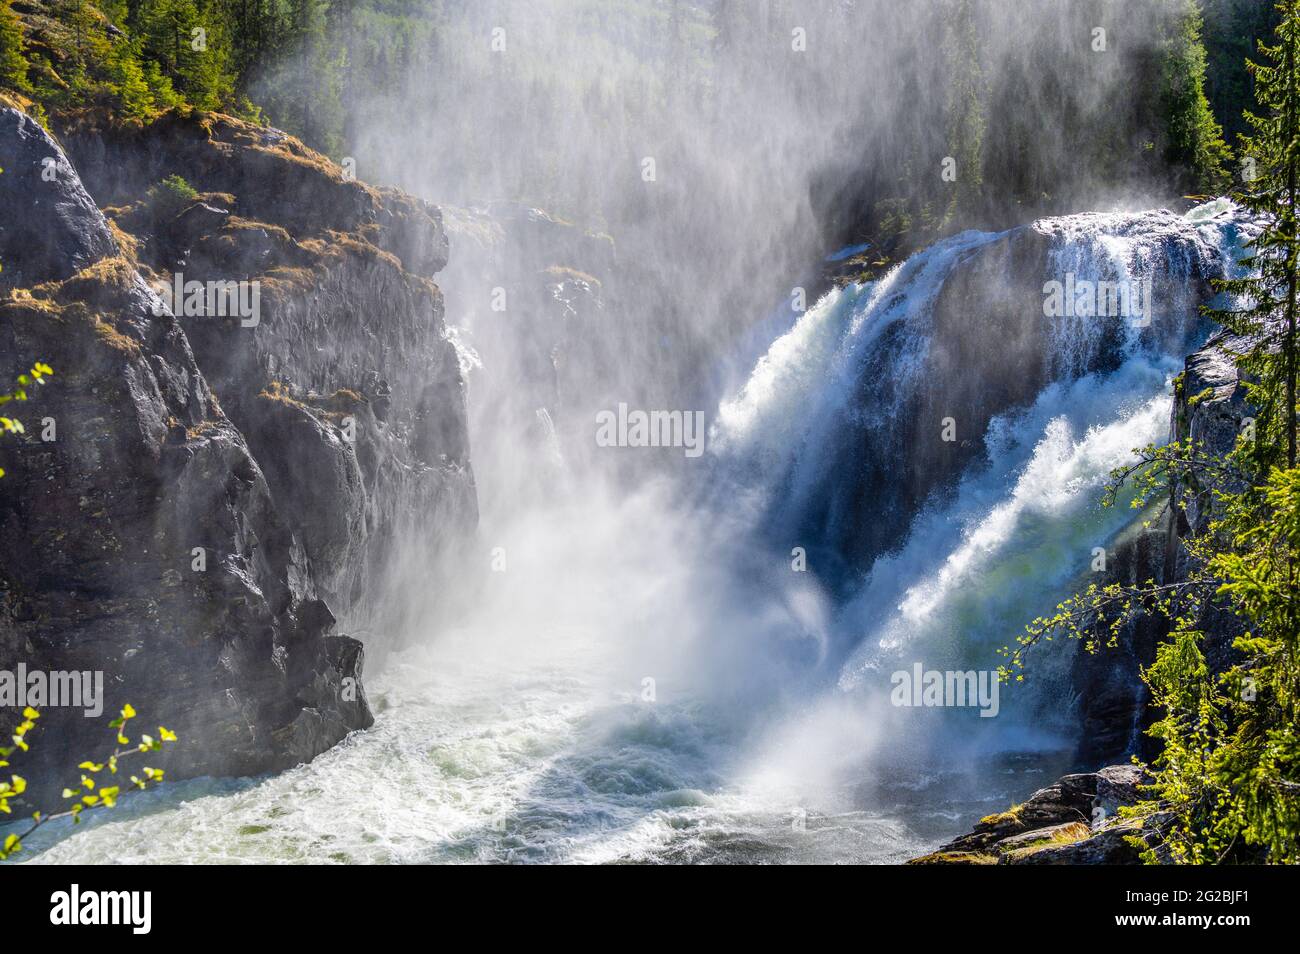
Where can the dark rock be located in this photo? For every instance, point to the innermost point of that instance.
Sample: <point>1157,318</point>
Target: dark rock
<point>1068,800</point>
<point>309,460</point>
<point>348,658</point>
<point>1053,826</point>
<point>272,175</point>
<point>1107,847</point>
<point>192,224</point>
<point>1118,785</point>
<point>1210,410</point>
<point>202,518</point>
<point>49,226</point>
<point>955,858</point>
<point>346,385</point>
<point>1038,837</point>
<point>1112,697</point>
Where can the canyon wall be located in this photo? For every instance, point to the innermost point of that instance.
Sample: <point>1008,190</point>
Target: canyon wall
<point>216,512</point>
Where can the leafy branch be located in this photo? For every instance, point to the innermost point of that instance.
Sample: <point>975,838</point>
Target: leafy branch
<point>37,375</point>
<point>91,792</point>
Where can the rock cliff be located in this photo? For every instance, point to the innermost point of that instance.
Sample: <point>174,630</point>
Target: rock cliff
<point>203,506</point>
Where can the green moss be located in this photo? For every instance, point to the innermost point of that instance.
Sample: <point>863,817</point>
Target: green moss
<point>955,858</point>
<point>1064,835</point>
<point>1001,818</point>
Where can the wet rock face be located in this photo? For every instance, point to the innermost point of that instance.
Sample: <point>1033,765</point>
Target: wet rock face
<point>49,225</point>
<point>345,383</point>
<point>1210,409</point>
<point>198,502</point>
<point>1112,699</point>
<point>532,300</point>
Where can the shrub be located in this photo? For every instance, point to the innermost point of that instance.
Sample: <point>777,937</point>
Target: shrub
<point>169,196</point>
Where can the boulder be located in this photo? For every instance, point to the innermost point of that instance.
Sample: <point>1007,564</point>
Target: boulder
<point>1073,821</point>
<point>1107,847</point>
<point>1067,801</point>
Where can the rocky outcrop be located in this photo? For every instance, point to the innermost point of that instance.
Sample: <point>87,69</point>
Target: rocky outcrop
<point>1074,821</point>
<point>265,175</point>
<point>1112,699</point>
<point>346,386</point>
<point>59,230</point>
<point>202,507</point>
<point>1210,412</point>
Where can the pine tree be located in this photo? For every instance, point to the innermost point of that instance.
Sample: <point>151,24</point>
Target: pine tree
<point>186,44</point>
<point>1269,294</point>
<point>13,65</point>
<point>1195,137</point>
<point>964,110</point>
<point>1226,782</point>
<point>135,98</point>
<point>1232,28</point>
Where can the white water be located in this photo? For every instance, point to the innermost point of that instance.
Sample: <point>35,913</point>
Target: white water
<point>527,734</point>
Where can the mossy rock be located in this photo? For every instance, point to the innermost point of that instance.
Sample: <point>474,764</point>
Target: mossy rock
<point>955,858</point>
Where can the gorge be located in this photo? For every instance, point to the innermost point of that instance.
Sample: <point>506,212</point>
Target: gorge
<point>749,684</point>
<point>528,509</point>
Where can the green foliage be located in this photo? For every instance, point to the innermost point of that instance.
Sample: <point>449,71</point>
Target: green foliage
<point>1195,140</point>
<point>139,58</point>
<point>90,792</point>
<point>160,87</point>
<point>965,107</point>
<point>1227,776</point>
<point>134,93</point>
<point>1229,768</point>
<point>1232,29</point>
<point>1268,296</point>
<point>318,66</point>
<point>13,66</point>
<point>169,196</point>
<point>37,375</point>
<point>190,47</point>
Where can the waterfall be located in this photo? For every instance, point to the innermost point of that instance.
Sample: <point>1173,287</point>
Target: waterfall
<point>655,675</point>
<point>942,546</point>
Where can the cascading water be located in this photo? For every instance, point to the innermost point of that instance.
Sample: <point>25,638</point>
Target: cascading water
<point>652,678</point>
